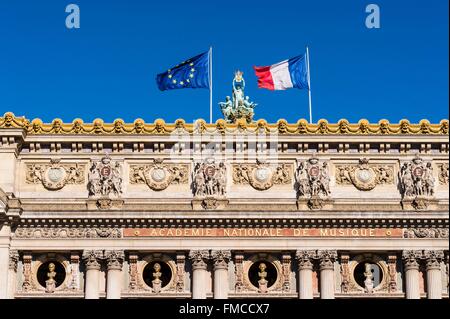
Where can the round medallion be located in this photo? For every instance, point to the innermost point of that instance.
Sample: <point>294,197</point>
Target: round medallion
<point>314,171</point>
<point>210,171</point>
<point>364,175</point>
<point>105,171</point>
<point>158,174</point>
<point>262,174</point>
<point>418,172</point>
<point>55,174</point>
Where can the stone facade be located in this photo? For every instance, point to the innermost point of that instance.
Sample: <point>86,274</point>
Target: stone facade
<point>117,210</point>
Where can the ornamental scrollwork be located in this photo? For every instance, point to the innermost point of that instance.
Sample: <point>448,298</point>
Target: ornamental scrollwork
<point>105,178</point>
<point>159,176</point>
<point>364,176</point>
<point>262,176</point>
<point>55,176</point>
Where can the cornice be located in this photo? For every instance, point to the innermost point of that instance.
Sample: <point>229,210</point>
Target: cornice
<point>160,127</point>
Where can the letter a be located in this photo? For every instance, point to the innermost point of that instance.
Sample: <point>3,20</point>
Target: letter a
<point>73,19</point>
<point>373,19</point>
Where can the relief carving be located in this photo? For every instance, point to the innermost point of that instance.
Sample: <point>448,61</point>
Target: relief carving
<point>181,260</point>
<point>364,177</point>
<point>262,176</point>
<point>221,258</point>
<point>159,176</point>
<point>209,185</point>
<point>392,270</point>
<point>417,182</point>
<point>46,264</point>
<point>55,176</point>
<point>443,174</point>
<point>114,259</point>
<point>28,283</point>
<point>13,259</point>
<point>313,182</point>
<point>345,274</point>
<point>105,178</point>
<point>286,264</point>
<point>426,233</point>
<point>68,232</point>
<point>209,179</point>
<point>199,258</point>
<point>74,268</point>
<point>239,272</point>
<point>133,271</point>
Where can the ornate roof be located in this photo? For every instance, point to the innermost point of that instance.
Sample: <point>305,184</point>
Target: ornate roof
<point>160,127</point>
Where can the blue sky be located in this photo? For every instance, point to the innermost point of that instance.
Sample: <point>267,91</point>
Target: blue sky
<point>107,68</point>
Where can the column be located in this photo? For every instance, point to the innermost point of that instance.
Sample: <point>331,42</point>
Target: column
<point>411,264</point>
<point>327,259</point>
<point>12,273</point>
<point>305,271</point>
<point>221,286</point>
<point>5,233</point>
<point>114,262</point>
<point>434,277</point>
<point>92,260</point>
<point>199,260</point>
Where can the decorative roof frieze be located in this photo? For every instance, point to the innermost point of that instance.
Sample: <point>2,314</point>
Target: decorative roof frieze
<point>160,127</point>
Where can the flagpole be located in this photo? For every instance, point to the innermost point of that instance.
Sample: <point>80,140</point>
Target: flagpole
<point>309,85</point>
<point>210,86</point>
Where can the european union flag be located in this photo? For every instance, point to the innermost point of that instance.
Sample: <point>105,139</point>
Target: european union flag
<point>193,74</point>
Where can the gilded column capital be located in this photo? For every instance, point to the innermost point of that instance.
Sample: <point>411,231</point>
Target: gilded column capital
<point>433,258</point>
<point>199,258</point>
<point>305,258</point>
<point>13,259</point>
<point>411,259</point>
<point>221,258</point>
<point>327,258</point>
<point>114,259</point>
<point>92,259</point>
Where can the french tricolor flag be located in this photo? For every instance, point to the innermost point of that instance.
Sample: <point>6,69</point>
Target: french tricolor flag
<point>288,74</point>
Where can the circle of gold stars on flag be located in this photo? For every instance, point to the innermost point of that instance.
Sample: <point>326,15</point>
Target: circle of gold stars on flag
<point>184,82</point>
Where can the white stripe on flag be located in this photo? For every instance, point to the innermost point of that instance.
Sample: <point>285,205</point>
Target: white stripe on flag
<point>281,76</point>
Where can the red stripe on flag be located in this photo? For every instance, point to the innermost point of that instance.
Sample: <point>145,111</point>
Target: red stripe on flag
<point>265,80</point>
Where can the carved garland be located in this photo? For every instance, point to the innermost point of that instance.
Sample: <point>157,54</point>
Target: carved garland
<point>364,177</point>
<point>55,176</point>
<point>159,176</point>
<point>262,176</point>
